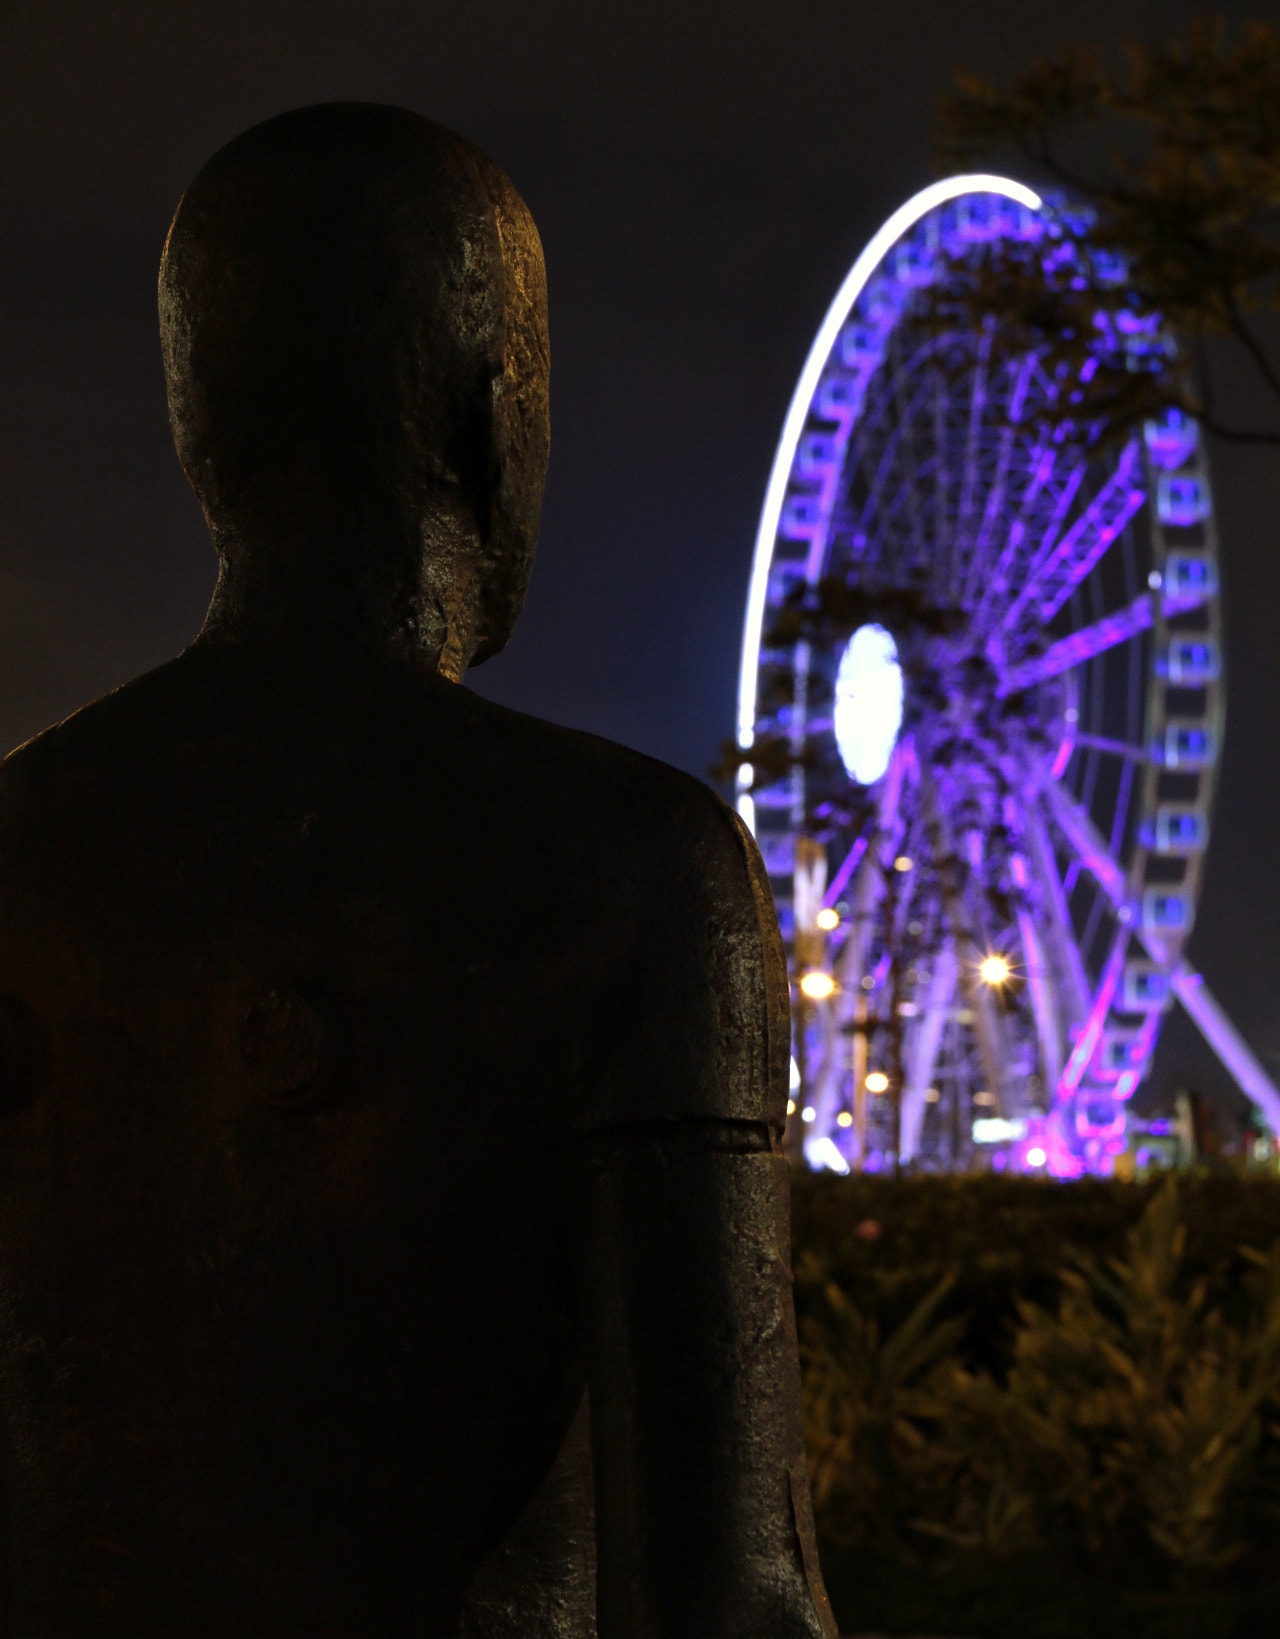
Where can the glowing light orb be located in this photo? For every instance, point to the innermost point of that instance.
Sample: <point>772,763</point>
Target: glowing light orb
<point>904,863</point>
<point>868,703</point>
<point>877,1082</point>
<point>994,970</point>
<point>844,1119</point>
<point>817,986</point>
<point>995,1129</point>
<point>808,1113</point>
<point>1036,1157</point>
<point>828,919</point>
<point>821,1152</point>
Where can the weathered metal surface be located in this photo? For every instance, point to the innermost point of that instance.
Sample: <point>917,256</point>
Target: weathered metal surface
<point>382,1068</point>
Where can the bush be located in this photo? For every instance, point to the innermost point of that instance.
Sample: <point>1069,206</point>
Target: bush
<point>1031,1406</point>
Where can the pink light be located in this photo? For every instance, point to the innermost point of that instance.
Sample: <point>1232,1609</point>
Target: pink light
<point>1092,1030</point>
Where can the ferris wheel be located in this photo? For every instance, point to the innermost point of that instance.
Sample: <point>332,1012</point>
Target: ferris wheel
<point>982,696</point>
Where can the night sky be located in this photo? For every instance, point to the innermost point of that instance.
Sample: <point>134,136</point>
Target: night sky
<point>702,175</point>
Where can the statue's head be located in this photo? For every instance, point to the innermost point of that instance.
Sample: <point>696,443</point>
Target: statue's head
<point>353,319</point>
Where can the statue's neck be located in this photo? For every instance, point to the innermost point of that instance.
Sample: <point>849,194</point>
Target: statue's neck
<point>329,596</point>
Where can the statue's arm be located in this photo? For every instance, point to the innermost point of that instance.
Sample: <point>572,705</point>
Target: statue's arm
<point>702,1502</point>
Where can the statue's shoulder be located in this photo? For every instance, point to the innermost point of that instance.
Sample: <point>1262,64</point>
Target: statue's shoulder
<point>700,1026</point>
<point>657,817</point>
<point>55,773</point>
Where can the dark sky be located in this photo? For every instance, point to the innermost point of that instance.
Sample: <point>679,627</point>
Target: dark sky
<point>703,172</point>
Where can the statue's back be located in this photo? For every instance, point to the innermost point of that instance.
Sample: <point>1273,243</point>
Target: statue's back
<point>381,1070</point>
<point>314,983</point>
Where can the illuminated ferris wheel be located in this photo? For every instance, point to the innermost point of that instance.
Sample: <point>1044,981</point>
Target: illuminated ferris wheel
<point>982,694</point>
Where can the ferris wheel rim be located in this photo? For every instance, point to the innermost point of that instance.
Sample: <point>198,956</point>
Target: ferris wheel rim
<point>874,252</point>
<point>1077,533</point>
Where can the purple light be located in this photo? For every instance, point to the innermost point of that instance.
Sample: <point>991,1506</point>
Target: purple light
<point>1182,502</point>
<point>810,388</point>
<point>1172,439</point>
<point>1091,534</point>
<point>1087,1041</point>
<point>1082,646</point>
<point>840,880</point>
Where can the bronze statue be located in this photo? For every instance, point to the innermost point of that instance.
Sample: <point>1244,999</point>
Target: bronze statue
<point>383,1072</point>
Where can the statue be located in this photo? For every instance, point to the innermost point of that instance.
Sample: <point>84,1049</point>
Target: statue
<point>393,1223</point>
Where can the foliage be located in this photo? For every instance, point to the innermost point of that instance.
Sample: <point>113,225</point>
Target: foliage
<point>1182,220</point>
<point>1125,1430</point>
<point>862,1407</point>
<point>1002,1240</point>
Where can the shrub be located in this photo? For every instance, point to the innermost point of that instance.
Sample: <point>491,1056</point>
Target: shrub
<point>1112,1424</point>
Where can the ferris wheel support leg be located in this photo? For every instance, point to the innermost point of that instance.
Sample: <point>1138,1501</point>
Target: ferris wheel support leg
<point>968,951</point>
<point>826,1083</point>
<point>922,1052</point>
<point>987,1024</point>
<point>1048,1028</point>
<point>1227,1042</point>
<point>1237,1057</point>
<point>1069,973</point>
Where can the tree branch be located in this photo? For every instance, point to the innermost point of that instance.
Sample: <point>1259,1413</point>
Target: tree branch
<point>1206,382</point>
<point>1041,153</point>
<point>1237,435</point>
<point>1203,411</point>
<point>1241,331</point>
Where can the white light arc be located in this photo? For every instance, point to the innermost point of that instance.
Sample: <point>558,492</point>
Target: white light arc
<point>905,217</point>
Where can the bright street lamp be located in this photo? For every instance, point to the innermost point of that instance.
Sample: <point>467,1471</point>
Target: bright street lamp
<point>994,970</point>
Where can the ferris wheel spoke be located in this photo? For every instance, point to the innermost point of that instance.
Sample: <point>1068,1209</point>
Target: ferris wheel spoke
<point>1227,1042</point>
<point>997,504</point>
<point>851,969</point>
<point>970,476</point>
<point>1084,543</point>
<point>1072,981</point>
<point>1123,749</point>
<point>1082,836</point>
<point>1091,1033</point>
<point>1039,976</point>
<point>942,480</point>
<point>1187,985</point>
<point>840,881</point>
<point>907,421</point>
<point>1052,493</point>
<point>924,1045</point>
<point>1081,646</point>
<point>1090,848</point>
<point>886,466</point>
<point>860,874</point>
